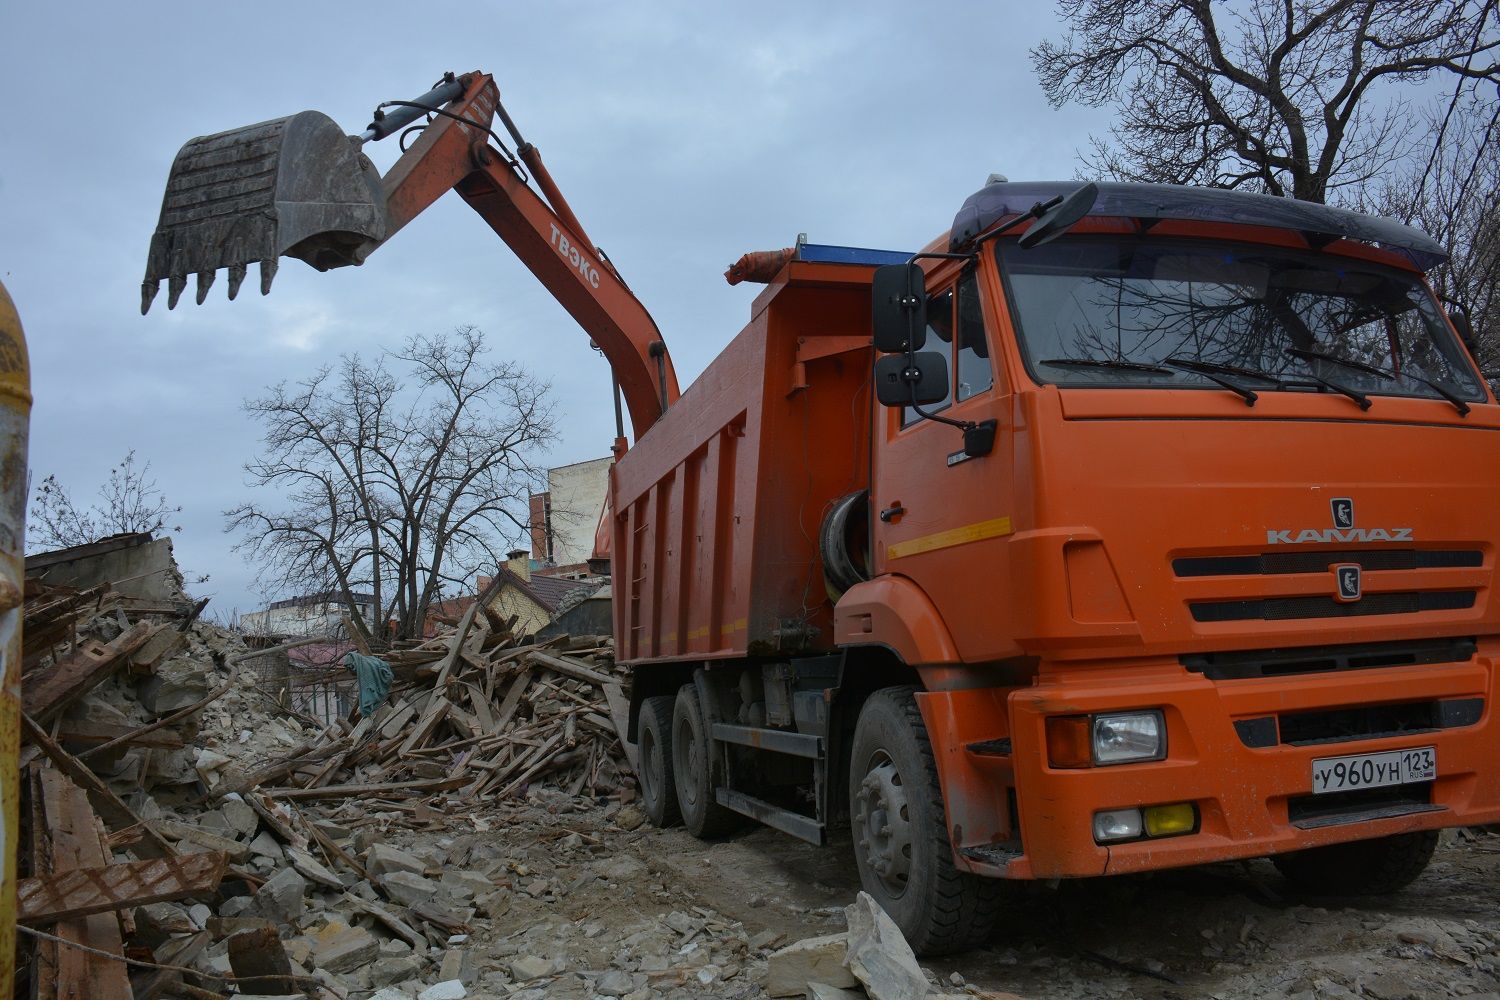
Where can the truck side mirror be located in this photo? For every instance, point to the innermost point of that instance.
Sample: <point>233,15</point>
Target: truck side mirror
<point>896,375</point>
<point>899,308</point>
<point>1460,321</point>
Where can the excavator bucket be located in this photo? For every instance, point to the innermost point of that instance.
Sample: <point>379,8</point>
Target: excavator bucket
<point>296,187</point>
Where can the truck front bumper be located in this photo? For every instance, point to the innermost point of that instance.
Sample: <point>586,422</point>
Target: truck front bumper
<point>1251,789</point>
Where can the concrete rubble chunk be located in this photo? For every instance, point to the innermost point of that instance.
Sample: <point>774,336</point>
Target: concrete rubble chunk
<point>452,989</point>
<point>390,970</point>
<point>381,859</point>
<point>339,948</point>
<point>529,967</point>
<point>816,959</point>
<point>177,684</point>
<point>822,991</point>
<point>458,963</point>
<point>281,898</point>
<point>266,846</point>
<point>240,817</point>
<point>407,888</point>
<point>615,983</point>
<point>878,954</point>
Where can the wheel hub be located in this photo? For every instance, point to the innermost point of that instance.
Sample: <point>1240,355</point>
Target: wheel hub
<point>689,781</point>
<point>882,824</point>
<point>654,769</point>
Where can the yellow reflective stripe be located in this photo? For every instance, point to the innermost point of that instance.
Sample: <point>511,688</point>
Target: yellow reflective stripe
<point>994,528</point>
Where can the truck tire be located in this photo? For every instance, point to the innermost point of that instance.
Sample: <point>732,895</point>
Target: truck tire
<point>900,830</point>
<point>658,784</point>
<point>1363,868</point>
<point>693,771</point>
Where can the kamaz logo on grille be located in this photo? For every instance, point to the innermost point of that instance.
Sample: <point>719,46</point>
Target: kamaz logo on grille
<point>1343,530</point>
<point>1347,575</point>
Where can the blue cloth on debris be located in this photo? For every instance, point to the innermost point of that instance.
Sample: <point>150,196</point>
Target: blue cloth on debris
<point>374,681</point>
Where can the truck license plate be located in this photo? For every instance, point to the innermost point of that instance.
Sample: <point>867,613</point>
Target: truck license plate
<point>1372,770</point>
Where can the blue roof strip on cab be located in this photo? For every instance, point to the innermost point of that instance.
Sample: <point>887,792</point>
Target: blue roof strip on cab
<point>818,253</point>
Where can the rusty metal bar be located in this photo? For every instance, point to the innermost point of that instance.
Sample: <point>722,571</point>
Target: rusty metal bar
<point>15,420</point>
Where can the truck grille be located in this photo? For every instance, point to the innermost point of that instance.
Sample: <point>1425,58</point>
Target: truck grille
<point>1240,664</point>
<point>1273,609</point>
<point>1307,812</point>
<point>1280,563</point>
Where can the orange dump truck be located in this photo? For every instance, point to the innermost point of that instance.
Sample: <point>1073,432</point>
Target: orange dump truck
<point>1121,529</point>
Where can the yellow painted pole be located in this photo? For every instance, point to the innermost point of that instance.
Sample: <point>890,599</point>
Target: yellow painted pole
<point>15,420</point>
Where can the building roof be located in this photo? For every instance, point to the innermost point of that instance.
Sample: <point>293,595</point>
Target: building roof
<point>993,202</point>
<point>551,593</point>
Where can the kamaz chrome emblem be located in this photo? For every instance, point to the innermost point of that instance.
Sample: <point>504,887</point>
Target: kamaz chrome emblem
<point>1343,530</point>
<point>1346,577</point>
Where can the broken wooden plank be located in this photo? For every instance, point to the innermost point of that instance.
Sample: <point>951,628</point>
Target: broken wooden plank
<point>570,667</point>
<point>114,810</point>
<point>82,891</point>
<point>96,733</point>
<point>74,843</point>
<point>619,713</point>
<point>343,791</point>
<point>47,692</point>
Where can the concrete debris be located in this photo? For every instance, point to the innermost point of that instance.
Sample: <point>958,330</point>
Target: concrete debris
<point>480,836</point>
<point>819,959</point>
<point>878,954</point>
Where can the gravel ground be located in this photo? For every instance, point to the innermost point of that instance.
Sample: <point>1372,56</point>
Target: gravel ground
<point>598,895</point>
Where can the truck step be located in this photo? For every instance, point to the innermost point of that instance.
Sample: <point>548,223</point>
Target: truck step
<point>799,826</point>
<point>991,748</point>
<point>775,740</point>
<point>998,855</point>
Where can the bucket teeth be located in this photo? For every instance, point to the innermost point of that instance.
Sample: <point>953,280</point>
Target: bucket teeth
<point>236,277</point>
<point>175,284</point>
<point>205,282</point>
<point>294,186</point>
<point>148,293</point>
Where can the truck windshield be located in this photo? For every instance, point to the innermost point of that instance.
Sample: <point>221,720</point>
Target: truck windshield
<point>1175,313</point>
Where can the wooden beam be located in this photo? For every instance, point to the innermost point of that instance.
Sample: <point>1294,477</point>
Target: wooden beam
<point>344,791</point>
<point>47,692</point>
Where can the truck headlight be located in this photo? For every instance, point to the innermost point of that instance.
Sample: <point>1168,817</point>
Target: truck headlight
<point>1129,736</point>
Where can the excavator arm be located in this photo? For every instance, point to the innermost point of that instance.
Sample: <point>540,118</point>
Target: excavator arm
<point>298,187</point>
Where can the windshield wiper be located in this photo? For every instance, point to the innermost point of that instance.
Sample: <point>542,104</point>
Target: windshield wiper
<point>1203,367</point>
<point>1390,376</point>
<point>1207,371</point>
<point>1133,366</point>
<point>1339,387</point>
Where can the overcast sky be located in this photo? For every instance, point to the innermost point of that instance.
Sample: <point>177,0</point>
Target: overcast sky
<point>683,134</point>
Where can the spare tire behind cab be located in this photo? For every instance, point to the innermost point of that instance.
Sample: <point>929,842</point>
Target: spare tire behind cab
<point>844,542</point>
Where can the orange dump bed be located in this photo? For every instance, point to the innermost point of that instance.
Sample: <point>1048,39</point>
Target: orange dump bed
<point>717,508</point>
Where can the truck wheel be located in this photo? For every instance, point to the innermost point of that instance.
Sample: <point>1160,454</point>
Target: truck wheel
<point>901,832</point>
<point>658,787</point>
<point>1363,868</point>
<point>701,814</point>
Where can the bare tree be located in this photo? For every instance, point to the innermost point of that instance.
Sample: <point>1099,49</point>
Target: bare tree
<point>1291,97</point>
<point>1454,196</point>
<point>130,502</point>
<point>397,477</point>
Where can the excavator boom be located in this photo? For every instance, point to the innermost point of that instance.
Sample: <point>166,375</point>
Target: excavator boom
<point>299,187</point>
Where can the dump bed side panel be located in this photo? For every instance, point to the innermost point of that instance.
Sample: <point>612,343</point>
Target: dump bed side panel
<point>717,509</point>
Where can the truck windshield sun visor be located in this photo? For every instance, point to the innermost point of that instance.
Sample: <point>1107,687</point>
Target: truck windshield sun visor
<point>1128,311</point>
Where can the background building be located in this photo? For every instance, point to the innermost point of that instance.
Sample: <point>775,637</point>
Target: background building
<point>565,518</point>
<point>312,614</point>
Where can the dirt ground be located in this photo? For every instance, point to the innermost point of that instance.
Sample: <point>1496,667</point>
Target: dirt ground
<point>685,918</point>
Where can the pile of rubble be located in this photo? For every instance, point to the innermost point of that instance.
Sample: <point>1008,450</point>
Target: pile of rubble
<point>187,834</point>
